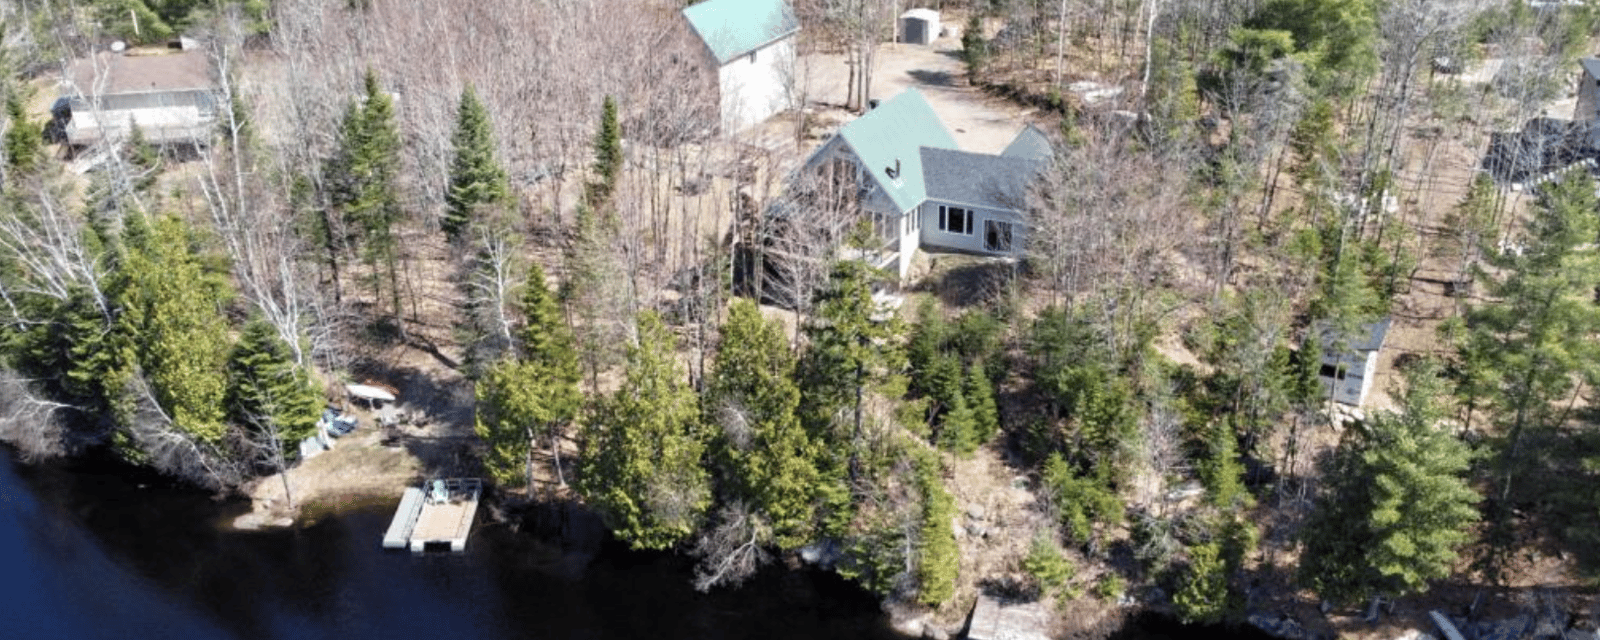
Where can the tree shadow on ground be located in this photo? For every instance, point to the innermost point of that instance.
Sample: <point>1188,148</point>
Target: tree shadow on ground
<point>1551,512</point>
<point>962,281</point>
<point>926,77</point>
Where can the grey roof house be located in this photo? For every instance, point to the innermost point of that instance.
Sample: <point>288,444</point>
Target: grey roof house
<point>749,46</point>
<point>170,97</point>
<point>921,191</point>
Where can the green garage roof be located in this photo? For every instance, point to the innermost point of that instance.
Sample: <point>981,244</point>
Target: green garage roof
<point>732,28</point>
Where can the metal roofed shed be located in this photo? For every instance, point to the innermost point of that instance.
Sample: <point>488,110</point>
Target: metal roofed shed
<point>919,26</point>
<point>732,28</point>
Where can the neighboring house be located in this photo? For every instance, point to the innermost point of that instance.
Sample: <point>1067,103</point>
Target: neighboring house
<point>1588,90</point>
<point>921,191</point>
<point>1349,366</point>
<point>171,97</point>
<point>751,46</point>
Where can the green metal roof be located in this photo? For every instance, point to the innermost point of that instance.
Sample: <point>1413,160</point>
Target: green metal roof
<point>890,137</point>
<point>732,28</point>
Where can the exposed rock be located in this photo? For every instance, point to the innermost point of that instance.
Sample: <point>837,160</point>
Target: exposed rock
<point>976,512</point>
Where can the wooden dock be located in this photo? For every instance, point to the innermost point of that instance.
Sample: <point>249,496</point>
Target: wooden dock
<point>439,514</point>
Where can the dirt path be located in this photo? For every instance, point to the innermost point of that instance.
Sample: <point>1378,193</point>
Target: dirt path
<point>978,122</point>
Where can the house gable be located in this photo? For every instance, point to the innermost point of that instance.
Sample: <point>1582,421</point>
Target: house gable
<point>733,28</point>
<point>888,141</point>
<point>977,179</point>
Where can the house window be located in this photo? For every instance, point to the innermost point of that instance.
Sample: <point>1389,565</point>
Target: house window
<point>997,236</point>
<point>955,220</point>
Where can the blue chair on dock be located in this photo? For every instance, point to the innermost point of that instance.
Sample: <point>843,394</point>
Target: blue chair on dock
<point>438,494</point>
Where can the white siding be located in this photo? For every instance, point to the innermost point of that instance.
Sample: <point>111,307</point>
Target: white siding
<point>1360,368</point>
<point>754,90</point>
<point>934,238</point>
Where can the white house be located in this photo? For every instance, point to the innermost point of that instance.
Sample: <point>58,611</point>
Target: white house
<point>751,45</point>
<point>1349,366</point>
<point>171,97</point>
<point>921,191</point>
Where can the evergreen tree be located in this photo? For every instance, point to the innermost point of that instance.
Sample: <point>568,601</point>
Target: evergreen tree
<point>751,394</point>
<point>171,312</point>
<point>363,183</point>
<point>979,393</point>
<point>1398,506</point>
<point>607,157</point>
<point>643,449</point>
<point>850,351</point>
<point>1221,470</point>
<point>267,393</point>
<point>958,431</point>
<point>1202,597</point>
<point>24,139</point>
<point>1048,566</point>
<point>537,392</point>
<point>938,557</point>
<point>476,179</point>
<point>1080,500</point>
<point>1529,347</point>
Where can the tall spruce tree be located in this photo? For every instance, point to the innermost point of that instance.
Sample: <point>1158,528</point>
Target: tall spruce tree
<point>476,178</point>
<point>364,184</point>
<point>852,347</point>
<point>1398,506</point>
<point>267,392</point>
<point>644,449</point>
<point>607,157</point>
<point>1530,346</point>
<point>24,137</point>
<point>751,395</point>
<point>938,557</point>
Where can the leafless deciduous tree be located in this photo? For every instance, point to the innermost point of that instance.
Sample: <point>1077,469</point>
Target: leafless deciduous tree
<point>731,550</point>
<point>29,422</point>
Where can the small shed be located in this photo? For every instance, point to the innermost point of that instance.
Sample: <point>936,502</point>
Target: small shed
<point>1350,362</point>
<point>919,26</point>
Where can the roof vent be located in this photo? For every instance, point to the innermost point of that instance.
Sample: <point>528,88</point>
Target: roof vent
<point>894,171</point>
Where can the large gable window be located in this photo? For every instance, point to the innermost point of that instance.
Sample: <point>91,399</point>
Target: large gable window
<point>955,220</point>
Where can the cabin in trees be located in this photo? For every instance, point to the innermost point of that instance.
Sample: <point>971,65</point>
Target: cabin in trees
<point>750,47</point>
<point>168,94</point>
<point>918,190</point>
<point>1350,362</point>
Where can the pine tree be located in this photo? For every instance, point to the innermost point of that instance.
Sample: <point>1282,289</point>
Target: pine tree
<point>363,183</point>
<point>476,178</point>
<point>1529,347</point>
<point>1399,505</point>
<point>537,392</point>
<point>24,139</point>
<point>938,557</point>
<point>267,394</point>
<point>958,431</point>
<point>607,157</point>
<point>752,395</point>
<point>1221,470</point>
<point>850,351</point>
<point>643,449</point>
<point>1202,598</point>
<point>979,393</point>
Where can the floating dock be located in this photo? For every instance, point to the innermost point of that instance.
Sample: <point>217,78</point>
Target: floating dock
<point>439,514</point>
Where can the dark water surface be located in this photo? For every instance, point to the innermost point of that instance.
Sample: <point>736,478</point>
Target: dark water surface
<point>92,550</point>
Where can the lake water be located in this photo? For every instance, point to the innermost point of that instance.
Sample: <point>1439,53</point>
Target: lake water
<point>93,550</point>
